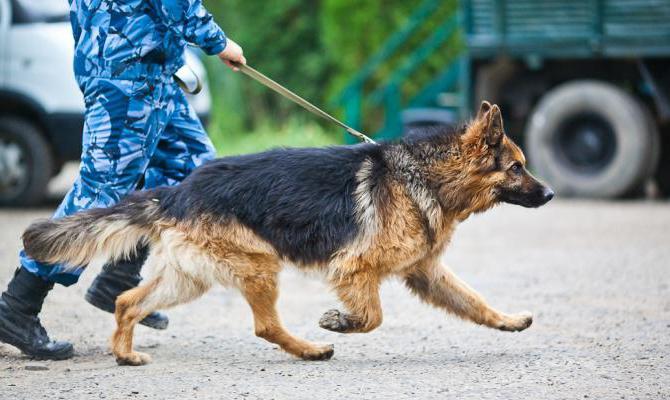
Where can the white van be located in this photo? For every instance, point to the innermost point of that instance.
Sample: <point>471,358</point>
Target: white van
<point>41,107</point>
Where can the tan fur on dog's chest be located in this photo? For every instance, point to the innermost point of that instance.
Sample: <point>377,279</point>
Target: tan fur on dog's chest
<point>400,241</point>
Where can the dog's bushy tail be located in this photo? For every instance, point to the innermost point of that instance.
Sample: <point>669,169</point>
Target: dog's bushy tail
<point>111,233</point>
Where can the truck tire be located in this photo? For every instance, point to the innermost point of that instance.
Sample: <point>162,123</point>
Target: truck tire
<point>26,163</point>
<point>663,171</point>
<point>592,139</point>
<point>656,147</point>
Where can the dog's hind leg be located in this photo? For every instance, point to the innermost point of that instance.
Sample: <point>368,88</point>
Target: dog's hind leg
<point>437,285</point>
<point>128,313</point>
<point>359,292</point>
<point>261,294</point>
<point>177,280</point>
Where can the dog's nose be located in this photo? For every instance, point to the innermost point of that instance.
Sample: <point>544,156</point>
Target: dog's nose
<point>547,194</point>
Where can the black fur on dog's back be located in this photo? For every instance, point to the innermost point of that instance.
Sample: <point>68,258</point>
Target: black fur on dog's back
<point>299,200</point>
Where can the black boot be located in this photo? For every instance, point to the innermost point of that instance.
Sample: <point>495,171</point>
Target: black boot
<point>19,325</point>
<point>115,279</point>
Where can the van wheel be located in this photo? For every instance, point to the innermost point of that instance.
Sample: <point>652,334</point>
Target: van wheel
<point>592,139</point>
<point>26,163</point>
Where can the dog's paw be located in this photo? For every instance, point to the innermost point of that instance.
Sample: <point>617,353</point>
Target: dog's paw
<point>335,321</point>
<point>518,322</point>
<point>319,353</point>
<point>134,358</point>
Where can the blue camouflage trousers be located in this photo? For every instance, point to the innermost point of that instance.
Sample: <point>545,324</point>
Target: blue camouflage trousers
<point>133,131</point>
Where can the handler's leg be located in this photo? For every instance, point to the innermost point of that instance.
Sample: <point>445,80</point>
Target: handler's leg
<point>437,285</point>
<point>183,146</point>
<point>120,133</point>
<point>119,276</point>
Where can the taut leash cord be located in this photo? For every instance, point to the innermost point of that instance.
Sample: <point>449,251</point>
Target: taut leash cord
<point>265,81</point>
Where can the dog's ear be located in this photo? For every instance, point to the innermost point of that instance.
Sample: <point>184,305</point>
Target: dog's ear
<point>483,109</point>
<point>487,128</point>
<point>493,130</point>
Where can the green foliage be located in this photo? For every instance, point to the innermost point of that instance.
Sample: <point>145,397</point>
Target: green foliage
<point>353,31</point>
<point>314,48</point>
<point>357,30</point>
<point>281,39</point>
<point>294,133</point>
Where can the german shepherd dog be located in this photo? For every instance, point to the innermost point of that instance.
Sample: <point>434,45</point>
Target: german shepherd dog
<point>360,214</point>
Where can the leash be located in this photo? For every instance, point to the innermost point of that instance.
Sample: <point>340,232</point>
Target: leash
<point>267,82</point>
<point>182,82</point>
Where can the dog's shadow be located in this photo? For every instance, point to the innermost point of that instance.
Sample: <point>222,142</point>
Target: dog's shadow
<point>358,361</point>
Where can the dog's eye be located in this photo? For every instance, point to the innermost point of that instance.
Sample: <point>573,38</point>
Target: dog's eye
<point>516,168</point>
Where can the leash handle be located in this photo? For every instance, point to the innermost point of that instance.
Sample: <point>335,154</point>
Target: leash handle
<point>271,84</point>
<point>184,86</point>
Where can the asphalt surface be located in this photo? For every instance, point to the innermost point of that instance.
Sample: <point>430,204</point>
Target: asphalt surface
<point>596,275</point>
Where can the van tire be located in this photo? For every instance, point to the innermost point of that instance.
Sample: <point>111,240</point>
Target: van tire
<point>633,148</point>
<point>37,158</point>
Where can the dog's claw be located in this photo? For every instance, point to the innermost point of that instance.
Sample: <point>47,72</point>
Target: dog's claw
<point>134,358</point>
<point>526,319</point>
<point>334,320</point>
<point>323,353</point>
<point>518,322</point>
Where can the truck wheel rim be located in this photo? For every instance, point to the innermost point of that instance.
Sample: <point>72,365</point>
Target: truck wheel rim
<point>586,143</point>
<point>13,169</point>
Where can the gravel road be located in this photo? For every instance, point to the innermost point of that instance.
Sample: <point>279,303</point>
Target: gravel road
<point>596,275</point>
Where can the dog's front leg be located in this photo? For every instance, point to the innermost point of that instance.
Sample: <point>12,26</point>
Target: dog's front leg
<point>360,294</point>
<point>437,285</point>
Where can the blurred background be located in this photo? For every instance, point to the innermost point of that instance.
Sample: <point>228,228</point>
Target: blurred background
<point>583,85</point>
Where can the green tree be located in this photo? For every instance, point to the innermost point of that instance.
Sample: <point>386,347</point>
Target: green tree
<point>282,40</point>
<point>313,47</point>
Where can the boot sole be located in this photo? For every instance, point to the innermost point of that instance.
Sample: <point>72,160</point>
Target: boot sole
<point>64,354</point>
<point>102,304</point>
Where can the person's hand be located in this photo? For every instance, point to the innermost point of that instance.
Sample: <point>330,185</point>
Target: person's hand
<point>232,54</point>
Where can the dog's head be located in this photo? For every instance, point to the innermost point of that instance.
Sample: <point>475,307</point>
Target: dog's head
<point>496,166</point>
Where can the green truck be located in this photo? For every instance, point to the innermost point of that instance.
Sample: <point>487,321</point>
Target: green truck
<point>584,85</point>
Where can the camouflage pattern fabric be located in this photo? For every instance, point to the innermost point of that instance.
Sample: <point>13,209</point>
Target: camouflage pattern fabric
<point>133,39</point>
<point>138,123</point>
